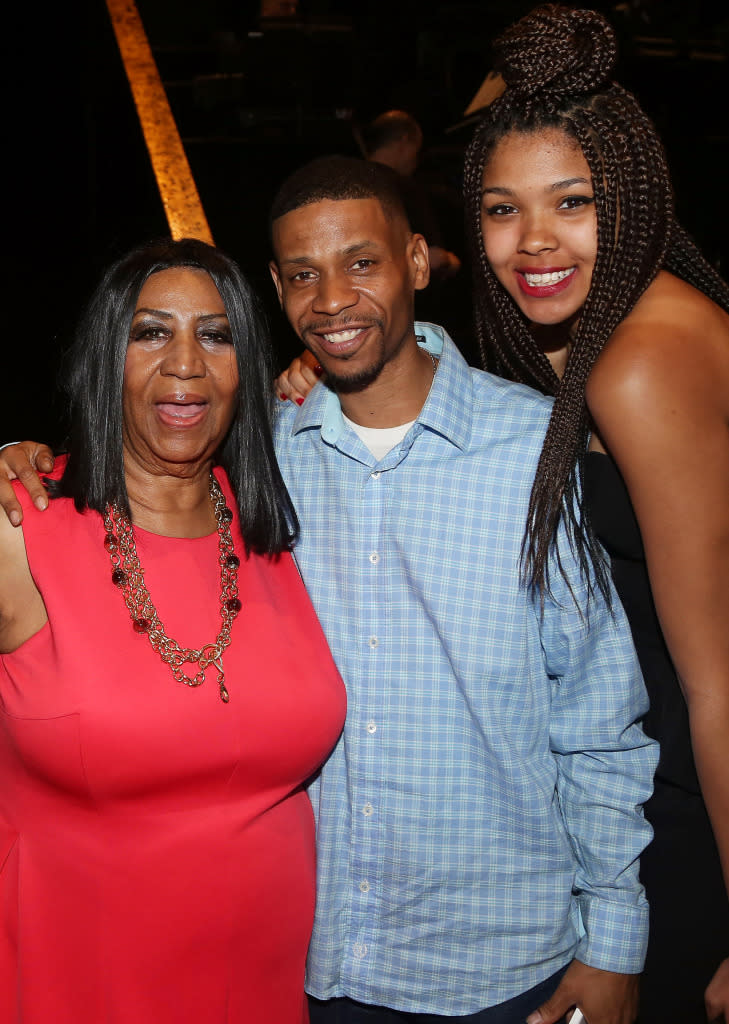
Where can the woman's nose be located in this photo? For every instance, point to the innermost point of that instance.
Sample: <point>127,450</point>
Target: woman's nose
<point>183,357</point>
<point>537,236</point>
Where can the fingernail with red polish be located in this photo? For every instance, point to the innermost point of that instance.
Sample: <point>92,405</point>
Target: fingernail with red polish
<point>284,398</point>
<point>299,401</point>
<point>318,370</point>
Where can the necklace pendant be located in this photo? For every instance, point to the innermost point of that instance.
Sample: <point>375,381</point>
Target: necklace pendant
<point>224,695</point>
<point>128,575</point>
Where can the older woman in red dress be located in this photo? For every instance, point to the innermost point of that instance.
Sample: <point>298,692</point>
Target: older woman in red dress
<point>165,687</point>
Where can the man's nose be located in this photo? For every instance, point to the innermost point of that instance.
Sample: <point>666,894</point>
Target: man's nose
<point>334,293</point>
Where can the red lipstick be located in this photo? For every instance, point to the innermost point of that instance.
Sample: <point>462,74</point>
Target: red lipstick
<point>544,291</point>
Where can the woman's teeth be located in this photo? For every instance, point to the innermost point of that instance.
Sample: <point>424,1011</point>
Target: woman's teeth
<point>537,280</point>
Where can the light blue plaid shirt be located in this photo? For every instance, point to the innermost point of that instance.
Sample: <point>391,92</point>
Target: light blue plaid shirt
<point>477,824</point>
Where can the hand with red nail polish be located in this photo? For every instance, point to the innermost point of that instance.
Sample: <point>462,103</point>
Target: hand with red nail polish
<point>299,378</point>
<point>24,461</point>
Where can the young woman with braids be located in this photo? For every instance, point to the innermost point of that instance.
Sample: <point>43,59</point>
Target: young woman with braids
<point>588,289</point>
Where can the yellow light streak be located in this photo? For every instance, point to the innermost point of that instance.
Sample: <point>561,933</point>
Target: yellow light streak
<point>180,198</point>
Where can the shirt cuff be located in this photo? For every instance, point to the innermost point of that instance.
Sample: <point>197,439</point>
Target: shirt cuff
<point>616,935</point>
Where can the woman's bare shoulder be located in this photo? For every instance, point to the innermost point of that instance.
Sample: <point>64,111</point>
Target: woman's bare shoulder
<point>675,340</point>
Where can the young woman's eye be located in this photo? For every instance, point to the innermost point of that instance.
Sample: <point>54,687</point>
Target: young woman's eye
<point>574,202</point>
<point>499,210</point>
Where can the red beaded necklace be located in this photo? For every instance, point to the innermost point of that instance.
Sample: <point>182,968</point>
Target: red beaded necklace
<point>128,575</point>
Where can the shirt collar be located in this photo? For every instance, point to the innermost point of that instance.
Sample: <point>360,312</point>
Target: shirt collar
<point>447,410</point>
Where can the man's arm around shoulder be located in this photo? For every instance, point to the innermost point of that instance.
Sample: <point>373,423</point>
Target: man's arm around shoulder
<point>24,461</point>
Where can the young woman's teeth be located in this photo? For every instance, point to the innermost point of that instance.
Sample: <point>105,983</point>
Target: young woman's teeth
<point>341,336</point>
<point>537,280</point>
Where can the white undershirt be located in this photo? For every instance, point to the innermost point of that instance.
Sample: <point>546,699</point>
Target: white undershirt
<point>379,440</point>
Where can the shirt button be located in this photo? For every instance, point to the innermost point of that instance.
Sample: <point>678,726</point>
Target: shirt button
<point>372,727</point>
<point>374,558</point>
<point>376,476</point>
<point>368,809</point>
<point>364,886</point>
<point>360,950</point>
<point>373,641</point>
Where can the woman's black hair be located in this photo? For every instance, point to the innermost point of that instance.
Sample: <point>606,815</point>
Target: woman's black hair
<point>94,474</point>
<point>556,64</point>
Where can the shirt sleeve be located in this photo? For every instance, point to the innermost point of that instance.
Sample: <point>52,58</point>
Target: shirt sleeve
<point>605,767</point>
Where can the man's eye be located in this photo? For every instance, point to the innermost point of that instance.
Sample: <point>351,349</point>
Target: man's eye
<point>303,275</point>
<point>363,264</point>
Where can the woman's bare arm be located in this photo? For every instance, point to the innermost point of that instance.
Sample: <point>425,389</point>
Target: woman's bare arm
<point>22,612</point>
<point>659,395</point>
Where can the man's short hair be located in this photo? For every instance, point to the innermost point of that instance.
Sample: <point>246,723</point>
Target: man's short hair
<point>340,177</point>
<point>392,126</point>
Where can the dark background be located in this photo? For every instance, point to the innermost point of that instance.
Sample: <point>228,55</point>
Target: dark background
<point>254,99</point>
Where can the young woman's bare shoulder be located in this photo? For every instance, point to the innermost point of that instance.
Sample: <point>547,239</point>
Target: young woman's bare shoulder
<point>675,341</point>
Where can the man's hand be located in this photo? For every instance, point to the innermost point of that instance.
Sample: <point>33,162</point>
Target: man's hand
<point>299,378</point>
<point>603,996</point>
<point>716,996</point>
<point>23,462</point>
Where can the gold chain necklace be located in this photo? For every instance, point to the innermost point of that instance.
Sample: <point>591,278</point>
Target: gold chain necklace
<point>128,574</point>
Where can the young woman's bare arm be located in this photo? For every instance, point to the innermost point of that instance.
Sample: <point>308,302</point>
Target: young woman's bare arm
<point>659,396</point>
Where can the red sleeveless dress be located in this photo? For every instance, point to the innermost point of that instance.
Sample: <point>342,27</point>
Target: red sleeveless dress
<point>156,845</point>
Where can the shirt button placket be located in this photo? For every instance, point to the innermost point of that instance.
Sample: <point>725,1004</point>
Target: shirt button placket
<point>367,844</point>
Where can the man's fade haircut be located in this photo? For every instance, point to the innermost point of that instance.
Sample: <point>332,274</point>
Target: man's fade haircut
<point>94,381</point>
<point>337,178</point>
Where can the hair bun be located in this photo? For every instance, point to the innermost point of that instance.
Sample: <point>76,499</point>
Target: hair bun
<point>557,50</point>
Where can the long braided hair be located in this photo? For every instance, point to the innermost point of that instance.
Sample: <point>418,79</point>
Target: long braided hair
<point>556,64</point>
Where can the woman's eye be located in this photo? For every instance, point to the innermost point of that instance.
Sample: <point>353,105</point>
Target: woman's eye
<point>574,202</point>
<point>148,332</point>
<point>499,210</point>
<point>218,337</point>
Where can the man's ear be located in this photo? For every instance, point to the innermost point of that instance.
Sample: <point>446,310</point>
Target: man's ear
<point>418,252</point>
<point>275,274</point>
